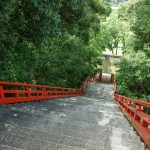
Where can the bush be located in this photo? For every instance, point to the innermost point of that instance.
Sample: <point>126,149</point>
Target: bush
<point>133,76</point>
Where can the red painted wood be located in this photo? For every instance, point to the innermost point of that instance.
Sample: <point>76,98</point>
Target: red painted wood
<point>133,110</point>
<point>31,92</point>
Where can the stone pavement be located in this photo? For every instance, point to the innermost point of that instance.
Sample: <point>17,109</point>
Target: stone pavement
<point>89,122</point>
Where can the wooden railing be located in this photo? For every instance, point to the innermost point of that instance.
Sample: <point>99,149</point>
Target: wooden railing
<point>11,92</point>
<point>134,111</point>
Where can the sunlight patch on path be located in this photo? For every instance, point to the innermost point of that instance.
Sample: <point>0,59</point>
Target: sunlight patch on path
<point>116,140</point>
<point>103,122</point>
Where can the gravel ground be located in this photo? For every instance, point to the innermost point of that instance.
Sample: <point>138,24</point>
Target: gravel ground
<point>89,122</point>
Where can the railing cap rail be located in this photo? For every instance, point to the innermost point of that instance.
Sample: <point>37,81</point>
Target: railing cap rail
<point>140,102</point>
<point>25,84</point>
<point>33,85</point>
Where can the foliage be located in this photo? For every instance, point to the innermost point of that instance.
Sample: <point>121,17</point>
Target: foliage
<point>24,26</point>
<point>136,15</point>
<point>73,65</point>
<point>115,33</point>
<point>133,75</point>
<point>50,42</point>
<point>109,36</point>
<point>141,22</point>
<point>141,25</point>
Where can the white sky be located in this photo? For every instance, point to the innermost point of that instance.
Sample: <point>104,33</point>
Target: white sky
<point>115,7</point>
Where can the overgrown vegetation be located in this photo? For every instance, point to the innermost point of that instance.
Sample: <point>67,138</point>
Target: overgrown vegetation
<point>61,42</point>
<point>133,76</point>
<point>50,42</point>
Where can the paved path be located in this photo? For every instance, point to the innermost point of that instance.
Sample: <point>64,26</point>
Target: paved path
<point>89,122</point>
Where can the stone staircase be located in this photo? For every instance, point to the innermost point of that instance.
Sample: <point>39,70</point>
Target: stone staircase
<point>89,122</point>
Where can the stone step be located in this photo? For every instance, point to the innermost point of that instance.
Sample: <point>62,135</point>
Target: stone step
<point>6,147</point>
<point>86,143</point>
<point>63,137</point>
<point>86,117</point>
<point>75,123</point>
<point>32,144</point>
<point>55,127</point>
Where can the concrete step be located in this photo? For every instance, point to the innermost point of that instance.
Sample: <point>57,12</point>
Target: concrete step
<point>55,127</point>
<point>86,142</point>
<point>88,123</point>
<point>32,144</point>
<point>6,147</point>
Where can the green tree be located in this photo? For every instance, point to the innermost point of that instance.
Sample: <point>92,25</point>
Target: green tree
<point>49,42</point>
<point>25,24</point>
<point>133,76</point>
<point>141,24</point>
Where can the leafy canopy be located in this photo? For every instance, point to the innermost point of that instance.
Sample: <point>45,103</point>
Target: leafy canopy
<point>50,42</point>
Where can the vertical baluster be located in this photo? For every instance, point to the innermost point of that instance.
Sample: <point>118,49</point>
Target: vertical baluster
<point>43,91</point>
<point>143,123</point>
<point>55,92</point>
<point>63,92</point>
<point>139,108</point>
<point>37,90</point>
<point>1,92</point>
<point>136,117</point>
<point>28,91</point>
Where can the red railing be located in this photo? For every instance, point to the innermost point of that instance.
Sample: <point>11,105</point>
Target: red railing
<point>19,92</point>
<point>134,111</point>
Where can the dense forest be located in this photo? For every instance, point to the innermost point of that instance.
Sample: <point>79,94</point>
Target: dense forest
<point>50,42</point>
<point>133,31</point>
<point>61,42</point>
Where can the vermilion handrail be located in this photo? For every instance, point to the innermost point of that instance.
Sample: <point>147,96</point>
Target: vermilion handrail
<point>139,102</point>
<point>21,92</point>
<point>134,111</point>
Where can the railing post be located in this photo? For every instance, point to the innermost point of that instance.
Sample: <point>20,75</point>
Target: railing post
<point>37,90</point>
<point>1,92</point>
<point>143,123</point>
<point>16,94</point>
<point>43,91</point>
<point>129,103</point>
<point>63,92</point>
<point>28,91</point>
<point>136,117</point>
<point>55,92</point>
<point>139,108</point>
